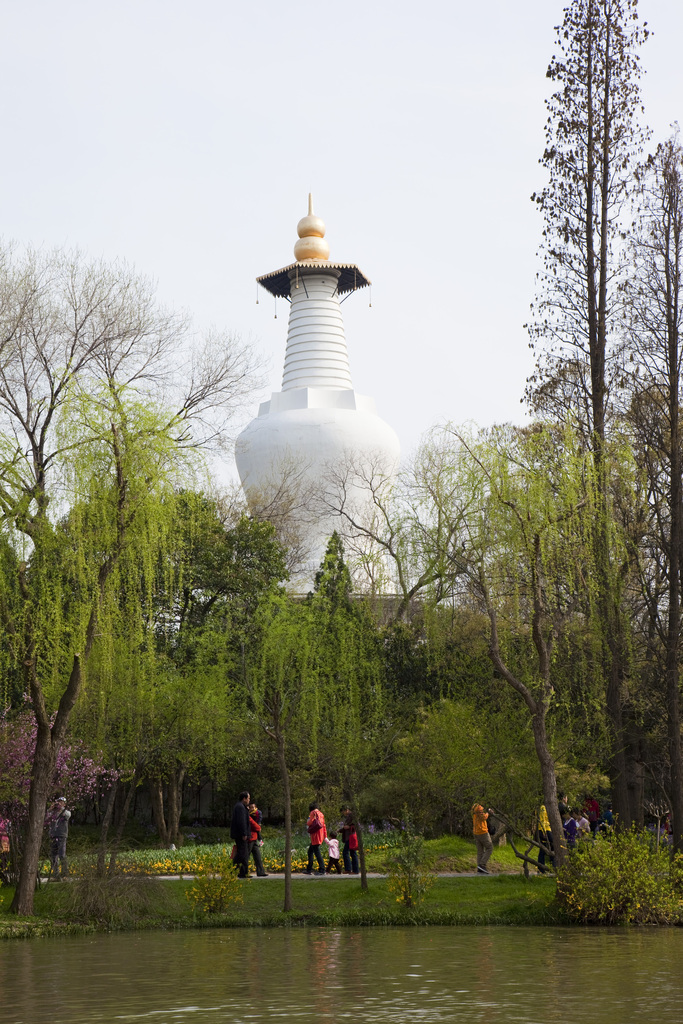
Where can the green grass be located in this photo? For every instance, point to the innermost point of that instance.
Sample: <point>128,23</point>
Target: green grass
<point>505,900</point>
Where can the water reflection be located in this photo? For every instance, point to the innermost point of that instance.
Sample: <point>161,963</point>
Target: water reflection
<point>353,975</point>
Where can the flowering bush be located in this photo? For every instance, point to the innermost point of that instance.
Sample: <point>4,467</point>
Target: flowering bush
<point>76,774</point>
<point>621,878</point>
<point>216,885</point>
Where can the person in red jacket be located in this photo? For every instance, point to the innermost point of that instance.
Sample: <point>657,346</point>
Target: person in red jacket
<point>350,842</point>
<point>591,809</point>
<point>255,840</point>
<point>315,827</point>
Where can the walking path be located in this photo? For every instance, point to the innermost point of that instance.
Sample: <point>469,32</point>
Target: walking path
<point>370,874</point>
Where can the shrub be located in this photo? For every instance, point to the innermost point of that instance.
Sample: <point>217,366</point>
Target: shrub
<point>117,901</point>
<point>620,878</point>
<point>409,876</point>
<point>216,884</point>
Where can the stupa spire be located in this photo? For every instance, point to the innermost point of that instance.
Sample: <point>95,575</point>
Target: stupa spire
<point>311,244</point>
<point>316,354</point>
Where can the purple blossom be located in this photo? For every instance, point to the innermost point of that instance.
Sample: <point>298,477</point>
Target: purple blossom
<point>77,774</point>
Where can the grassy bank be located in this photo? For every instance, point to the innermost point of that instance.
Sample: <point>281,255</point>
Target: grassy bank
<point>502,900</point>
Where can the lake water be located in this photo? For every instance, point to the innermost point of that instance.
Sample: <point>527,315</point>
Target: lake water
<point>424,975</point>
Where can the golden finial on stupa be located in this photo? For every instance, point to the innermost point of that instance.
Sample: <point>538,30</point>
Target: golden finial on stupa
<point>311,231</point>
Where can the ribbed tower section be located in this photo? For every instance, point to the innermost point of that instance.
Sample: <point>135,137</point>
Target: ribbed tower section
<point>316,355</point>
<point>316,436</point>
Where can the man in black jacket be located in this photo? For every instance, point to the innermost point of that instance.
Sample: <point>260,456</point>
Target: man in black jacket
<point>240,830</point>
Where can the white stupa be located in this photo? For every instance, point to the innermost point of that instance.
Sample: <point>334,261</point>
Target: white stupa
<point>316,431</point>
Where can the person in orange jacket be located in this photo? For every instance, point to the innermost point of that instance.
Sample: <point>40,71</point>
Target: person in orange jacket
<point>482,838</point>
<point>315,827</point>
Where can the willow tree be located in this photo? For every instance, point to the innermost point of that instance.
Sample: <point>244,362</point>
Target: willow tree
<point>527,548</point>
<point>160,701</point>
<point>357,720</point>
<point>97,408</point>
<point>283,691</point>
<point>210,582</point>
<point>593,139</point>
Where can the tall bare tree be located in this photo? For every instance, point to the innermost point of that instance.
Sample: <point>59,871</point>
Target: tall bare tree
<point>593,136</point>
<point>400,542</point>
<point>654,311</point>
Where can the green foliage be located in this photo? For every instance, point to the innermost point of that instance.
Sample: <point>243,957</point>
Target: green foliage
<point>460,748</point>
<point>410,877</point>
<point>278,665</point>
<point>216,885</point>
<point>332,580</point>
<point>621,878</point>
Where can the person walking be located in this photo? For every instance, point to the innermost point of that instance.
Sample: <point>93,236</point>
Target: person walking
<point>482,837</point>
<point>317,831</point>
<point>349,843</point>
<point>58,830</point>
<point>240,831</point>
<point>255,840</point>
<point>333,853</point>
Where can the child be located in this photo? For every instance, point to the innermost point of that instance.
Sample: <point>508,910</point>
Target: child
<point>333,850</point>
<point>582,825</point>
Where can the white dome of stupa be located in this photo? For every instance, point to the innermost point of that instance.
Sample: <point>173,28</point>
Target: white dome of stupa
<point>316,432</point>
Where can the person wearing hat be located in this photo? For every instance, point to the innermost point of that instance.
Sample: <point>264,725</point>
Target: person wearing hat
<point>58,827</point>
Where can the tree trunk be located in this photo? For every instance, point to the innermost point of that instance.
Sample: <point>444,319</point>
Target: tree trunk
<point>106,822</point>
<point>156,792</point>
<point>41,779</point>
<point>636,778</point>
<point>286,789</point>
<point>538,708</point>
<point>673,637</point>
<point>549,780</point>
<point>122,823</point>
<point>175,804</point>
<point>49,739</point>
<point>361,849</point>
<point>618,772</point>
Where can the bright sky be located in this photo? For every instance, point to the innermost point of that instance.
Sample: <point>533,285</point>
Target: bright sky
<point>185,137</point>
